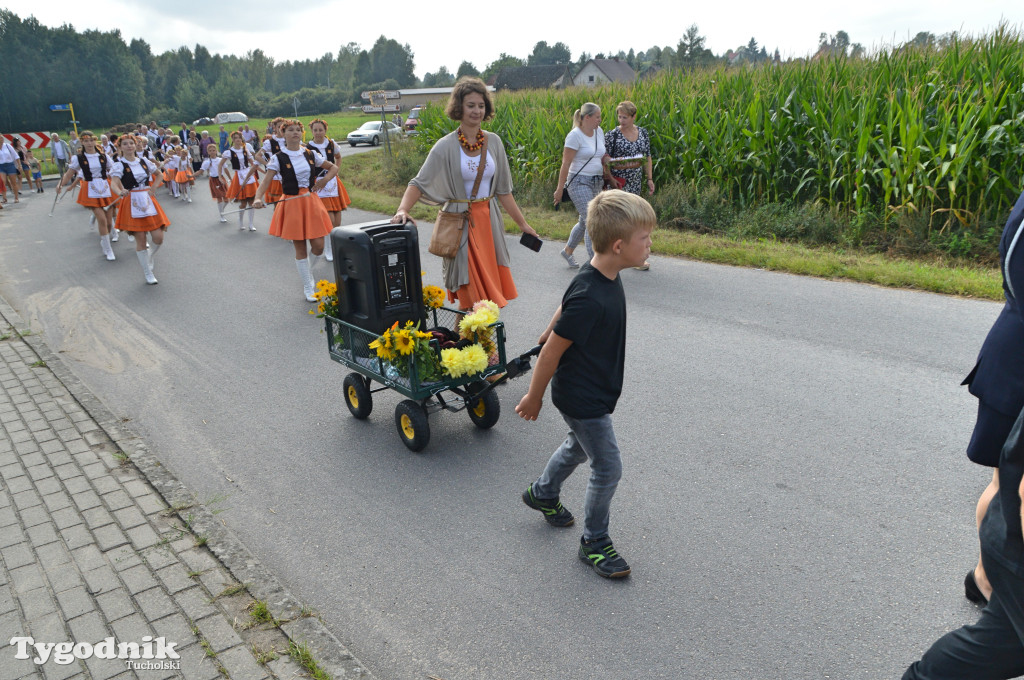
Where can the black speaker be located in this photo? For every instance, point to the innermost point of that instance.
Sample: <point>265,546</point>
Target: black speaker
<point>377,269</point>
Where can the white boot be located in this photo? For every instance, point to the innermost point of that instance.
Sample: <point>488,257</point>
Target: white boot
<point>146,269</point>
<point>241,219</point>
<point>220,210</point>
<point>105,246</point>
<point>252,216</point>
<point>189,191</point>
<point>328,253</point>
<point>152,253</point>
<point>307,279</point>
<point>314,260</point>
<point>114,234</point>
<point>131,237</point>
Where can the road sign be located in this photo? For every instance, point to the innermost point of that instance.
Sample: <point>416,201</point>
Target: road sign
<point>60,107</point>
<point>387,94</point>
<point>31,140</point>
<point>387,108</point>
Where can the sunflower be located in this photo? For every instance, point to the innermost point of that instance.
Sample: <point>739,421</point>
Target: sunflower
<point>404,342</point>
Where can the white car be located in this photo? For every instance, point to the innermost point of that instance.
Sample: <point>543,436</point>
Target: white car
<point>372,131</point>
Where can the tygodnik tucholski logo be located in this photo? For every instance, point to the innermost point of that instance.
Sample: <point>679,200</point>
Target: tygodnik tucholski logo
<point>150,654</point>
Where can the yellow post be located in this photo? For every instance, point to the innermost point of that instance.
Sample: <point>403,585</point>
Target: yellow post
<point>74,121</point>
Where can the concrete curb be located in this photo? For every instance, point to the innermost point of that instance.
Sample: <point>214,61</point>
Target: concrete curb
<point>328,651</point>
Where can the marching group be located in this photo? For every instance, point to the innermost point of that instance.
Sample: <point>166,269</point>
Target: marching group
<point>116,176</point>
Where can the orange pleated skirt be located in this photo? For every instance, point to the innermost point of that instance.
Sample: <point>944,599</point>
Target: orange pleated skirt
<point>240,194</point>
<point>487,279</point>
<point>125,221</point>
<point>83,197</point>
<point>275,191</point>
<point>339,202</point>
<point>169,175</point>
<point>301,219</point>
<point>183,176</point>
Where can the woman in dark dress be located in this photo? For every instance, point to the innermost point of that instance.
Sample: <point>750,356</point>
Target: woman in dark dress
<point>629,155</point>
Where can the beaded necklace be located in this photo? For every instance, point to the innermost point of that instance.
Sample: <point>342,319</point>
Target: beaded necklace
<point>472,147</point>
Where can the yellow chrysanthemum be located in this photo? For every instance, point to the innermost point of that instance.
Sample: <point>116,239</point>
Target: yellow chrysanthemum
<point>451,362</point>
<point>474,359</point>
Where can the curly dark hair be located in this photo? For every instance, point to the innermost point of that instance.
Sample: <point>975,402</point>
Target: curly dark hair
<point>465,86</point>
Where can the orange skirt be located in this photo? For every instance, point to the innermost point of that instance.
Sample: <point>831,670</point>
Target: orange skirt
<point>168,175</point>
<point>275,191</point>
<point>183,176</point>
<point>240,194</point>
<point>217,188</point>
<point>125,221</point>
<point>83,197</point>
<point>339,202</point>
<point>487,279</point>
<point>301,219</point>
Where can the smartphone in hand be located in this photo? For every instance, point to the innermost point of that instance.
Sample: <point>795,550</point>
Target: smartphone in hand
<point>531,242</point>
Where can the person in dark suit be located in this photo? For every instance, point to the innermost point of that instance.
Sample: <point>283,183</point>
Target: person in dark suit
<point>994,646</point>
<point>998,381</point>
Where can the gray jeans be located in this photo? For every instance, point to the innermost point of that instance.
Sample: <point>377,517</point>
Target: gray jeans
<point>582,190</point>
<point>593,439</point>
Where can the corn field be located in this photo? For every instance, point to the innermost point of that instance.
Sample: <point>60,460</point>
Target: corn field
<point>938,133</point>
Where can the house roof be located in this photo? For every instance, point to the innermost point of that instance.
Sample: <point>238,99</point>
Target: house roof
<point>531,77</point>
<point>615,70</point>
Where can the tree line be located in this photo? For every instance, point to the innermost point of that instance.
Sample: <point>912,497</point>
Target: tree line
<point>111,81</point>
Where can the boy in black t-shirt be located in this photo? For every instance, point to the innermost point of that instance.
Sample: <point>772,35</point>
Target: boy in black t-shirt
<point>583,357</point>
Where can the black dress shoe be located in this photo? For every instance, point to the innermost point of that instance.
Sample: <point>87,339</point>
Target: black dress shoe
<point>971,590</point>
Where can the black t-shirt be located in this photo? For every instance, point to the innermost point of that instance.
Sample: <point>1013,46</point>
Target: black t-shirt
<point>588,380</point>
<point>1000,529</point>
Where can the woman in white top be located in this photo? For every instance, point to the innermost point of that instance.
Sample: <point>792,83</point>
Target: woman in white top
<point>131,179</point>
<point>211,166</point>
<point>10,167</point>
<point>333,195</point>
<point>237,163</point>
<point>92,168</point>
<point>304,218</point>
<point>272,144</point>
<point>582,168</point>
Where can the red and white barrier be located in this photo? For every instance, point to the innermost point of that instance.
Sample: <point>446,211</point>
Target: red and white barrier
<point>31,140</point>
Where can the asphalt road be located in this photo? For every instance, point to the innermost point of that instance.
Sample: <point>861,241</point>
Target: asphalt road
<point>795,502</point>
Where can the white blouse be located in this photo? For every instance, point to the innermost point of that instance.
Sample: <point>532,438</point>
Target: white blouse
<point>298,163</point>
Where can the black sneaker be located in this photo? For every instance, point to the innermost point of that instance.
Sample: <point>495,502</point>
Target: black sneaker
<point>601,555</point>
<point>554,513</point>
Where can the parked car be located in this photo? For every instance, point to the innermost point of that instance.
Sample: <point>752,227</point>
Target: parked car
<point>371,132</point>
<point>414,119</point>
<point>231,117</point>
<point>203,121</point>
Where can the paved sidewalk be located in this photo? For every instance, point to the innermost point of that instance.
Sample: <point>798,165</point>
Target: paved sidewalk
<point>98,541</point>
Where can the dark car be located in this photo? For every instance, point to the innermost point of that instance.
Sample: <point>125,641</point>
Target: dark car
<point>203,121</point>
<point>413,120</point>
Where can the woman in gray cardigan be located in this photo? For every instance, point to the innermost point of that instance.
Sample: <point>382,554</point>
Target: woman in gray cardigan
<point>480,270</point>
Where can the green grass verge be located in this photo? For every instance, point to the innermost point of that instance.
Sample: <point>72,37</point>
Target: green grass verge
<point>372,188</point>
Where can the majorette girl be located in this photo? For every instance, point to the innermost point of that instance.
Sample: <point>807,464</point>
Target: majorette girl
<point>184,177</point>
<point>333,195</point>
<point>131,178</point>
<point>272,144</point>
<point>240,156</point>
<point>92,167</point>
<point>217,189</point>
<point>170,151</point>
<point>303,218</point>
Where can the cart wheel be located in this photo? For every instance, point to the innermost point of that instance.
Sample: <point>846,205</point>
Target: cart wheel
<point>357,396</point>
<point>486,411</point>
<point>411,420</point>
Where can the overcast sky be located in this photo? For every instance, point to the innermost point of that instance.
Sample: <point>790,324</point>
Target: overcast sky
<point>445,35</point>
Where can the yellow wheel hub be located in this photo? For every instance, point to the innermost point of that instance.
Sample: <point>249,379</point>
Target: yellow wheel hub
<point>353,396</point>
<point>407,429</point>
<point>480,409</point>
